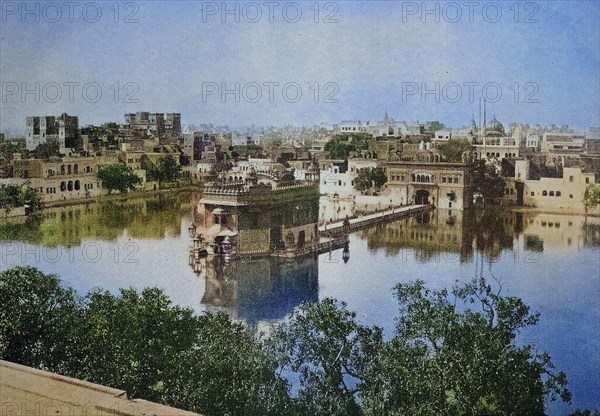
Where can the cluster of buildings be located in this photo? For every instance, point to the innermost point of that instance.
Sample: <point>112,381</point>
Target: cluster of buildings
<point>531,157</point>
<point>536,161</point>
<point>70,174</point>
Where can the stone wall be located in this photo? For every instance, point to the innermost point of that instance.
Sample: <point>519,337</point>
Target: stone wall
<point>253,241</point>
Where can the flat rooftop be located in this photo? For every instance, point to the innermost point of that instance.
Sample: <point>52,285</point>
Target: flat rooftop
<point>28,391</point>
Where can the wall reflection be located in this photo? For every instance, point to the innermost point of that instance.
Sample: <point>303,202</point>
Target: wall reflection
<point>488,231</point>
<point>258,288</point>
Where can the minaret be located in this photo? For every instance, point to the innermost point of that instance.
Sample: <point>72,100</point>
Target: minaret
<point>484,109</point>
<point>479,115</point>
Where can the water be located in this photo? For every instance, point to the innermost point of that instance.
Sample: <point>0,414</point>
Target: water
<point>550,261</point>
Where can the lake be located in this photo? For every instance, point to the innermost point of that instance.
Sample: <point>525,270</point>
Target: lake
<point>551,261</point>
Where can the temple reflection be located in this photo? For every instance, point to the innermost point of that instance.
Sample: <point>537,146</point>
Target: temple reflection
<point>258,288</point>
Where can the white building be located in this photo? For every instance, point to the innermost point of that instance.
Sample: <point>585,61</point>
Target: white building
<point>354,126</point>
<point>532,140</point>
<point>337,179</point>
<point>442,136</point>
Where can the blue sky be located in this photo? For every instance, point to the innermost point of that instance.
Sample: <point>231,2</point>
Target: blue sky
<point>367,58</point>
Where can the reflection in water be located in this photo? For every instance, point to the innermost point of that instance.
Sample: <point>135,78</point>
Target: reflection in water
<point>591,236</point>
<point>427,233</point>
<point>144,218</point>
<point>260,288</point>
<point>490,232</point>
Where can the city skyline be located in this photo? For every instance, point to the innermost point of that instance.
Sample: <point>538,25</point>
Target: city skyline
<point>286,63</point>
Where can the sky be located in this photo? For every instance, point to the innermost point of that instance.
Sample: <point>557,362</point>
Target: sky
<point>275,63</point>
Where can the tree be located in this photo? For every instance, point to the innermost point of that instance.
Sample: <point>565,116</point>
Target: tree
<point>340,146</point>
<point>118,177</point>
<point>370,178</point>
<point>46,150</point>
<point>30,197</point>
<point>138,342</point>
<point>455,353</point>
<point>12,196</point>
<point>488,182</point>
<point>36,315</point>
<point>435,126</point>
<point>167,168</point>
<point>453,149</point>
<point>333,355</point>
<point>591,197</point>
<point>7,151</point>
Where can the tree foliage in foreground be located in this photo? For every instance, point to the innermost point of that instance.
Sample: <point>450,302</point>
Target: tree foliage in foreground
<point>453,353</point>
<point>138,342</point>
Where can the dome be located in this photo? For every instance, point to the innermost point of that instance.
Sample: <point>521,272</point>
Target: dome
<point>495,125</point>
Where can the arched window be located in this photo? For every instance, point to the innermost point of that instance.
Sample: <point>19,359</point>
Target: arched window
<point>77,185</point>
<point>544,193</point>
<point>68,169</point>
<point>62,169</point>
<point>63,186</point>
<point>75,168</point>
<point>70,186</point>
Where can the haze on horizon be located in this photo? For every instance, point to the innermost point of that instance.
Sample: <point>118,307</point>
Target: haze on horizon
<point>349,60</point>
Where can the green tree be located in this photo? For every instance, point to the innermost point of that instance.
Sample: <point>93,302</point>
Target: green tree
<point>30,197</point>
<point>488,181</point>
<point>333,355</point>
<point>456,353</point>
<point>453,149</point>
<point>36,317</point>
<point>9,197</point>
<point>435,126</point>
<point>591,197</point>
<point>167,168</point>
<point>118,177</point>
<point>46,150</point>
<point>370,178</point>
<point>7,151</point>
<point>138,342</point>
<point>12,196</point>
<point>340,146</point>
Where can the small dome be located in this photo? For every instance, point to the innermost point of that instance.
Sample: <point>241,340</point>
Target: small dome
<point>495,125</point>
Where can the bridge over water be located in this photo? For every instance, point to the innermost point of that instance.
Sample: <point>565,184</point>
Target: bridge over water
<point>364,221</point>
